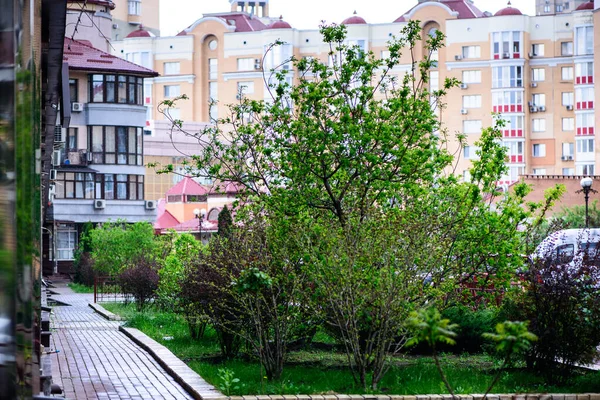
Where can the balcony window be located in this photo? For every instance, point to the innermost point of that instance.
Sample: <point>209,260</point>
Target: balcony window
<point>74,185</point>
<point>506,44</point>
<point>584,73</point>
<point>585,123</point>
<point>507,101</point>
<point>509,76</point>
<point>514,151</point>
<point>584,98</point>
<point>116,89</point>
<point>584,40</point>
<point>119,187</point>
<point>116,145</point>
<point>513,127</point>
<point>135,7</point>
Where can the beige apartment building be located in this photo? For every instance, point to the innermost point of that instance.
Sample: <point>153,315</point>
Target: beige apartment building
<point>535,72</point>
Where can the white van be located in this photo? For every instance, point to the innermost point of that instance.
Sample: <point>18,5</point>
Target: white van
<point>575,247</point>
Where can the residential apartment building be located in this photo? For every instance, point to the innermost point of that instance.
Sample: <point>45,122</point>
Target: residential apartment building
<point>98,168</point>
<point>535,72</point>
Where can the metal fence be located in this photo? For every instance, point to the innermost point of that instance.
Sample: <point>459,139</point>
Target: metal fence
<point>108,290</point>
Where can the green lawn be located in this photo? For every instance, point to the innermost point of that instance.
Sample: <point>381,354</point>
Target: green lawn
<point>313,371</point>
<point>79,288</point>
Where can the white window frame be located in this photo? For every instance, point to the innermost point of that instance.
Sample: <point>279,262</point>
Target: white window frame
<point>538,125</point>
<point>246,64</point>
<point>472,101</point>
<point>471,76</point>
<point>472,126</point>
<point>245,88</point>
<point>172,68</point>
<point>538,150</point>
<point>171,91</point>
<point>568,98</point>
<point>70,246</point>
<point>568,124</point>
<point>538,74</point>
<point>539,100</point>
<point>566,73</point>
<point>471,52</point>
<point>134,7</point>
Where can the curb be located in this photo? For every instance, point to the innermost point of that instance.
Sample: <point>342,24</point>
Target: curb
<point>193,383</point>
<point>104,312</point>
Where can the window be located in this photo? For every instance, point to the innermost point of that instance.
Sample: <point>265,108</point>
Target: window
<point>471,76</point>
<point>473,101</point>
<point>537,50</point>
<point>514,150</point>
<point>538,74</point>
<point>213,91</point>
<point>385,54</point>
<point>172,90</point>
<point>212,69</point>
<point>470,152</point>
<point>539,150</point>
<point>245,88</point>
<point>567,99</point>
<point>584,40</point>
<point>471,52</point>
<point>246,64</point>
<point>171,68</point>
<point>506,44</point>
<point>566,49</point>
<point>568,124</point>
<point>74,92</point>
<point>66,241</point>
<point>72,138</point>
<point>74,185</point>
<point>119,187</point>
<point>539,171</point>
<point>566,73</point>
<point>472,126</point>
<point>568,171</point>
<point>507,101</point>
<point>539,100</point>
<point>135,7</point>
<point>509,76</point>
<point>584,73</point>
<point>513,125</point>
<point>538,124</point>
<point>116,89</point>
<point>279,56</point>
<point>585,169</point>
<point>585,123</point>
<point>584,98</point>
<point>568,149</point>
<point>585,146</point>
<point>174,113</point>
<point>559,8</point>
<point>116,145</point>
<point>466,175</point>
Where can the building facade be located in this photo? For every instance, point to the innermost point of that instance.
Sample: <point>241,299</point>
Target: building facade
<point>535,72</point>
<point>98,168</point>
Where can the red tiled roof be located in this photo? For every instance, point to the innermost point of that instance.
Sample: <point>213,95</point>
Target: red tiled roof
<point>139,33</point>
<point>83,57</point>
<point>508,11</point>
<point>187,186</point>
<point>464,8</point>
<point>165,220</point>
<point>586,6</point>
<point>243,22</point>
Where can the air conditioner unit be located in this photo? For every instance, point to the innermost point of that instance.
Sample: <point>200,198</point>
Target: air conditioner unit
<point>533,109</point>
<point>458,57</point>
<point>77,107</point>
<point>89,157</point>
<point>464,86</point>
<point>150,204</point>
<point>51,190</point>
<point>52,174</point>
<point>257,63</point>
<point>569,107</point>
<point>99,204</point>
<point>464,111</point>
<point>542,108</point>
<point>563,158</point>
<point>60,134</point>
<point>533,84</point>
<point>569,158</point>
<point>505,55</point>
<point>532,55</point>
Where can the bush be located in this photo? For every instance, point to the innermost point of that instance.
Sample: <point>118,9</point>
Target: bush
<point>141,281</point>
<point>84,270</point>
<point>472,325</point>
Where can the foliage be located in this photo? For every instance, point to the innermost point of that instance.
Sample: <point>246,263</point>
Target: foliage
<point>574,217</point>
<point>80,288</point>
<point>562,301</point>
<point>141,281</point>
<point>228,381</point>
<point>225,222</point>
<point>350,170</point>
<point>473,324</point>
<point>83,263</point>
<point>118,245</point>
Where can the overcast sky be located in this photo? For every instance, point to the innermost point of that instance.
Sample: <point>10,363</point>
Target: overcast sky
<point>307,14</point>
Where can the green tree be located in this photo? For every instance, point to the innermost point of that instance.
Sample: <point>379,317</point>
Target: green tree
<point>574,217</point>
<point>118,245</point>
<point>225,222</point>
<point>351,166</point>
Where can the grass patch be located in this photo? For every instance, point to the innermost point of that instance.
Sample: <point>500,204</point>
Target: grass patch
<point>79,288</point>
<point>317,371</point>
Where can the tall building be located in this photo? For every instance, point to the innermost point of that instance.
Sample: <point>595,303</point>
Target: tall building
<point>97,173</point>
<point>537,72</point>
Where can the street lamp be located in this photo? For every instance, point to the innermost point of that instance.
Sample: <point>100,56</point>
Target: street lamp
<point>586,188</point>
<point>200,213</point>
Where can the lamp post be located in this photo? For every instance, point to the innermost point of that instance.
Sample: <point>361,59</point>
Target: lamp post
<point>586,188</point>
<point>200,213</point>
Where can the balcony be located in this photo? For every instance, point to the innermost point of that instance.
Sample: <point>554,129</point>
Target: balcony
<point>512,133</point>
<point>84,210</point>
<point>585,131</point>
<point>115,114</point>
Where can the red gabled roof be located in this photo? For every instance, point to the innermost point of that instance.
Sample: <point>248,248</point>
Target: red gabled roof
<point>243,22</point>
<point>187,186</point>
<point>586,6</point>
<point>464,8</point>
<point>83,57</point>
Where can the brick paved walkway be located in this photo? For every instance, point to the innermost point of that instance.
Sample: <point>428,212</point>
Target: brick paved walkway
<point>96,361</point>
